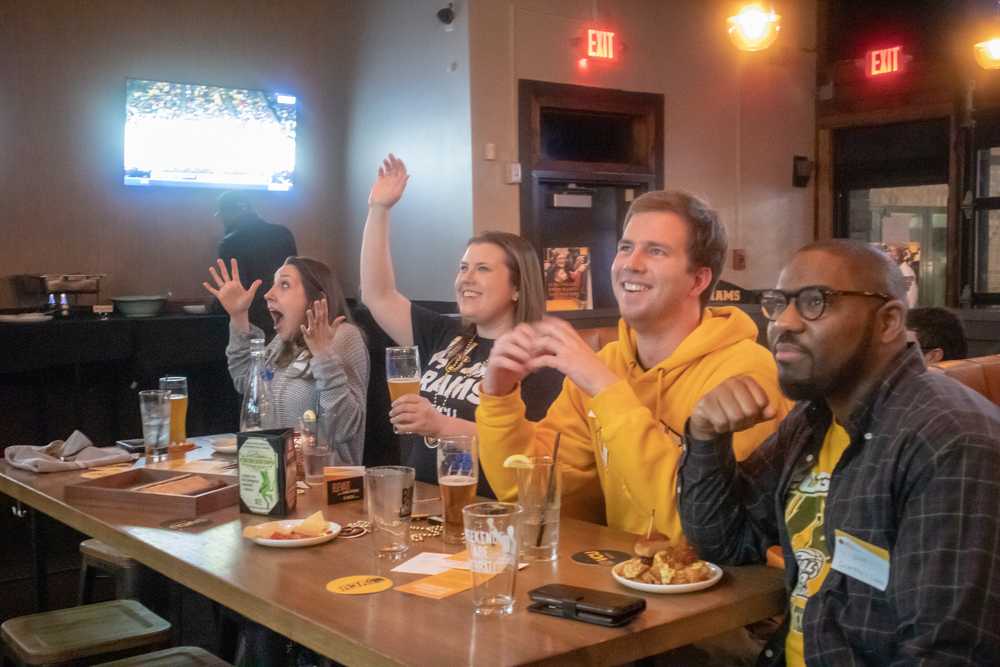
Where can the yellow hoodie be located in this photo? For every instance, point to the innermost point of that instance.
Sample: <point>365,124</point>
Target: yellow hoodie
<point>619,450</point>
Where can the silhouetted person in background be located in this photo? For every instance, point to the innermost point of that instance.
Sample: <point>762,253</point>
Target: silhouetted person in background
<point>259,246</point>
<point>940,333</point>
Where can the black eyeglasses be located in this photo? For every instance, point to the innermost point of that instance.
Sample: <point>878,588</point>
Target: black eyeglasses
<point>810,301</point>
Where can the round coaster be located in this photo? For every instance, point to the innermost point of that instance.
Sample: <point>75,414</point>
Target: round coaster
<point>359,584</point>
<point>350,532</point>
<point>605,557</point>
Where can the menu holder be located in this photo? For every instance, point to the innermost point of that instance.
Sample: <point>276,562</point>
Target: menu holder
<point>126,489</point>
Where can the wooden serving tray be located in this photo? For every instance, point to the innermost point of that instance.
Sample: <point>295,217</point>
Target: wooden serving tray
<point>116,491</point>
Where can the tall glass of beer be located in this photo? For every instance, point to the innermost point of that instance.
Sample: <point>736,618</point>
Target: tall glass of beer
<point>458,474</point>
<point>402,370</point>
<point>177,385</point>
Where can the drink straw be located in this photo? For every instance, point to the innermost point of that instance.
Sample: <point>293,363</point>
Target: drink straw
<point>550,492</point>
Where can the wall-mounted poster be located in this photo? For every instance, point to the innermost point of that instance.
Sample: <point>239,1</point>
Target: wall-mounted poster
<point>567,279</point>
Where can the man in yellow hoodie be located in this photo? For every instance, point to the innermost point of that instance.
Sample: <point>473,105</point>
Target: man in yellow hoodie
<point>622,411</point>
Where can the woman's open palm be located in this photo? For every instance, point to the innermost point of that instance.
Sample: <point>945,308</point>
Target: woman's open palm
<point>229,290</point>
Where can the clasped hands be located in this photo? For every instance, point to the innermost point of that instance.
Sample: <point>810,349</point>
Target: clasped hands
<point>548,343</point>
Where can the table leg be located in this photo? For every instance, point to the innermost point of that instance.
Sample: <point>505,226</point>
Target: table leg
<point>39,564</point>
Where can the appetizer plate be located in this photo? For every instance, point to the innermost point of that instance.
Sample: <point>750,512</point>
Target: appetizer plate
<point>668,588</point>
<point>224,444</point>
<point>334,529</point>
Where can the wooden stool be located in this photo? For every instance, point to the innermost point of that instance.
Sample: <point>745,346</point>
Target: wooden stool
<point>111,629</point>
<point>180,656</point>
<point>98,556</point>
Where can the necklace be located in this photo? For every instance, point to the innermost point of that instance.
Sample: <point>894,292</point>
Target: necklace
<point>454,364</point>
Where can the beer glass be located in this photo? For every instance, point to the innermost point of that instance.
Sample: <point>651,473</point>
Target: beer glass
<point>177,385</point>
<point>457,475</point>
<point>402,370</point>
<point>492,532</point>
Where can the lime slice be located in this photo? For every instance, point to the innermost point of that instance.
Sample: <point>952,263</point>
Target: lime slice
<point>517,461</point>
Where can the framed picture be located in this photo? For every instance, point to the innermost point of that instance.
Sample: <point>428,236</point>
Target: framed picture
<point>568,279</point>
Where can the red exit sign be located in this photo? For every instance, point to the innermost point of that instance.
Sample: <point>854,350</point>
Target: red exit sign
<point>884,61</point>
<point>600,44</point>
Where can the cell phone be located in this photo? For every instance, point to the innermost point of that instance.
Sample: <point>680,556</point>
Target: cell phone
<point>134,445</point>
<point>585,604</point>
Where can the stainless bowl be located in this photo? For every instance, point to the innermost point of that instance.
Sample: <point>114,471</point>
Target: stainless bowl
<point>139,306</point>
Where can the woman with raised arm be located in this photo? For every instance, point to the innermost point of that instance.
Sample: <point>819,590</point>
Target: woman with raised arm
<point>498,285</point>
<point>318,356</point>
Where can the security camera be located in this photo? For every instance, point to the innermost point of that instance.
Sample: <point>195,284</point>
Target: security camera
<point>446,15</point>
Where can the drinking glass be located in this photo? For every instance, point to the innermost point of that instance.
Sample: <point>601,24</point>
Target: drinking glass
<point>154,408</point>
<point>402,370</point>
<point>177,385</point>
<point>492,531</point>
<point>389,499</point>
<point>457,475</point>
<point>539,490</point>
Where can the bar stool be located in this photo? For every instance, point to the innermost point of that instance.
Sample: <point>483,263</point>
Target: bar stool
<point>78,635</point>
<point>98,556</point>
<point>179,656</point>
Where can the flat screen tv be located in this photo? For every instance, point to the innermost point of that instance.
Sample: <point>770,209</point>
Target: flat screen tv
<point>183,134</point>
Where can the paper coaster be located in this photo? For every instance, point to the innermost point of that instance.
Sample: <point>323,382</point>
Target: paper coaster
<point>605,557</point>
<point>359,584</point>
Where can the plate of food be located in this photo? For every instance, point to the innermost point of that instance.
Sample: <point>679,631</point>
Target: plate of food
<point>661,567</point>
<point>224,444</point>
<point>293,532</point>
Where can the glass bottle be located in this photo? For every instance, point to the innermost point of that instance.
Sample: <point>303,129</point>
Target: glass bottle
<point>255,413</point>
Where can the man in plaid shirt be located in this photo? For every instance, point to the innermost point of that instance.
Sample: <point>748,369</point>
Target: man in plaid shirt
<point>882,486</point>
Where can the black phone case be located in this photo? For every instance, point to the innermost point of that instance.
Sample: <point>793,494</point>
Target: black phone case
<point>585,604</point>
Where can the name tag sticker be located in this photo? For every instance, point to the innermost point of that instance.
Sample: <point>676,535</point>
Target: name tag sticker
<point>863,561</point>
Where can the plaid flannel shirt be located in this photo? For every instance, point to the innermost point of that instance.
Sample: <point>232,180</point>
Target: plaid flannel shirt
<point>921,479</point>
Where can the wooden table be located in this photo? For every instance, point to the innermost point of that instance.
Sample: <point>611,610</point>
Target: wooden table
<point>284,589</point>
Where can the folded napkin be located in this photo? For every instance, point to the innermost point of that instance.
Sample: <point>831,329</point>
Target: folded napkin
<point>74,453</point>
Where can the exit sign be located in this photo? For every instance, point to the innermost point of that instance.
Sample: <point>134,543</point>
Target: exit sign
<point>884,61</point>
<point>600,44</point>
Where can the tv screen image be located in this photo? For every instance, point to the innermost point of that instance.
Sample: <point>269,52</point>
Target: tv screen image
<point>182,134</point>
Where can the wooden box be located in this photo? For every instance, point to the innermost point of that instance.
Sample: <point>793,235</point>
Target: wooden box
<point>116,491</point>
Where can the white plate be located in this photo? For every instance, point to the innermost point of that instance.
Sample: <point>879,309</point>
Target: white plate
<point>668,588</point>
<point>25,318</point>
<point>224,444</point>
<point>305,542</point>
<point>195,309</point>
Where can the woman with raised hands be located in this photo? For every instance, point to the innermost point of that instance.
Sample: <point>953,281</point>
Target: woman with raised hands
<point>318,356</point>
<point>498,285</point>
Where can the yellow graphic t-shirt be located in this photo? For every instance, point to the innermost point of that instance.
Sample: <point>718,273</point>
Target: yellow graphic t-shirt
<point>804,518</point>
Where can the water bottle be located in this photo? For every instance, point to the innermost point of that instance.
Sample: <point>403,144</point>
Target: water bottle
<point>255,413</point>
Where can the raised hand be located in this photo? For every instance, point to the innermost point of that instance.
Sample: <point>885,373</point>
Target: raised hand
<point>558,345</point>
<point>228,289</point>
<point>318,331</point>
<point>413,413</point>
<point>389,184</point>
<point>735,405</point>
<point>510,360</point>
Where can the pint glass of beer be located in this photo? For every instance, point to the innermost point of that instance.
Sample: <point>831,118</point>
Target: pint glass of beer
<point>402,369</point>
<point>458,474</point>
<point>177,385</point>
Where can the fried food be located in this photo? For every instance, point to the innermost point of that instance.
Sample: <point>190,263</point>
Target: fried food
<point>659,562</point>
<point>633,568</point>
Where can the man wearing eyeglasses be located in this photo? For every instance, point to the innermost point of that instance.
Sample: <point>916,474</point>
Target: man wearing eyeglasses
<point>882,486</point>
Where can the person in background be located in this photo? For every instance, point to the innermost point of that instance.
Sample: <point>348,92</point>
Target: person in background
<point>259,246</point>
<point>881,486</point>
<point>498,285</point>
<point>622,410</point>
<point>940,333</point>
<point>319,356</point>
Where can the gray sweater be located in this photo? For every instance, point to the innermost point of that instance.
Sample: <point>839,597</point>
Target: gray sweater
<point>339,375</point>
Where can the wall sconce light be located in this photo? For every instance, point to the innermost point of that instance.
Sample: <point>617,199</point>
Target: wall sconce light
<point>988,51</point>
<point>754,28</point>
<point>802,168</point>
